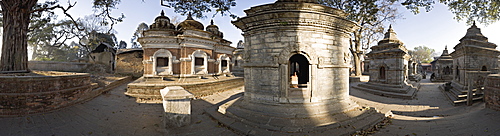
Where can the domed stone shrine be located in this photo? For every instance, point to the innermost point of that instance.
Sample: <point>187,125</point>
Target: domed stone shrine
<point>474,59</point>
<point>183,55</point>
<point>296,65</point>
<point>390,67</point>
<point>184,51</point>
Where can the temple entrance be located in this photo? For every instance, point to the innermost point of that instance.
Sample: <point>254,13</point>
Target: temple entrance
<point>381,73</point>
<point>162,63</point>
<point>299,71</point>
<point>447,70</point>
<point>484,68</point>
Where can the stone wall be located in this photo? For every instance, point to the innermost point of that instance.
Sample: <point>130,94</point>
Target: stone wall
<point>130,63</point>
<point>492,92</point>
<point>57,66</point>
<point>21,95</point>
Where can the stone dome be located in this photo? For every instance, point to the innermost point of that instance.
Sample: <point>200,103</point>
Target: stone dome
<point>212,26</point>
<point>214,29</point>
<point>190,23</point>
<point>474,33</point>
<point>390,36</point>
<point>306,1</point>
<point>162,22</point>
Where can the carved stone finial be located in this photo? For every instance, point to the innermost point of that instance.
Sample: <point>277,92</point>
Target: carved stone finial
<point>189,16</point>
<point>212,22</point>
<point>162,13</point>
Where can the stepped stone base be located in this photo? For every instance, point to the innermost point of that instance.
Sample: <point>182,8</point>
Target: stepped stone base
<point>457,93</point>
<point>402,91</point>
<point>147,90</point>
<point>295,119</point>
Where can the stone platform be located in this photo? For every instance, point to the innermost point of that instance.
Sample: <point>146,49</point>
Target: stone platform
<point>300,119</point>
<point>388,90</point>
<point>147,90</point>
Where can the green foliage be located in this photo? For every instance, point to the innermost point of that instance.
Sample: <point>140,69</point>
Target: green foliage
<point>482,11</point>
<point>422,54</point>
<point>198,8</point>
<point>138,33</point>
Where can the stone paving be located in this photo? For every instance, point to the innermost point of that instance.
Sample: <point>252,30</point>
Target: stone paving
<point>114,113</point>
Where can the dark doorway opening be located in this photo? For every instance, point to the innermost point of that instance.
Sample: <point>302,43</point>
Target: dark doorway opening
<point>447,70</point>
<point>162,61</point>
<point>381,73</point>
<point>299,66</point>
<point>199,61</point>
<point>484,68</point>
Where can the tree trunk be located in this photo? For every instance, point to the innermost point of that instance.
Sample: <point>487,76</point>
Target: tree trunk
<point>16,19</point>
<point>357,52</point>
<point>357,64</point>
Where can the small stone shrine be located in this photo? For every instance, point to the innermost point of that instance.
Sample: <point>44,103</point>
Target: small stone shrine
<point>389,69</point>
<point>296,68</point>
<point>473,59</point>
<point>238,59</point>
<point>442,67</point>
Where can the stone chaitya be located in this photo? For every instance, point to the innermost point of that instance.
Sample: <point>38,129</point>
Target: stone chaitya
<point>442,67</point>
<point>390,69</point>
<point>238,59</point>
<point>473,59</point>
<point>296,69</point>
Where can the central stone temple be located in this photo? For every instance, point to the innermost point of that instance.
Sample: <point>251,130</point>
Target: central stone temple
<point>296,66</point>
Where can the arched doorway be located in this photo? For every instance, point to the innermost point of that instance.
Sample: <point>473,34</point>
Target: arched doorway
<point>299,68</point>
<point>162,62</point>
<point>381,73</point>
<point>484,68</point>
<point>447,70</point>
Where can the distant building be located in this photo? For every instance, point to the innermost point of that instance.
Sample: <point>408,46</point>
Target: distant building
<point>103,54</point>
<point>442,67</point>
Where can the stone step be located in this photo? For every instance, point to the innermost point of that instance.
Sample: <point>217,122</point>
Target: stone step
<point>457,96</point>
<point>258,124</point>
<point>409,95</point>
<point>403,90</point>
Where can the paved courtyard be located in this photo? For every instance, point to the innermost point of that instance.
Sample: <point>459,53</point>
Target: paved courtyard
<point>114,113</point>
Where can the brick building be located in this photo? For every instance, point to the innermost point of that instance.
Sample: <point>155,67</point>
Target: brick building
<point>186,50</point>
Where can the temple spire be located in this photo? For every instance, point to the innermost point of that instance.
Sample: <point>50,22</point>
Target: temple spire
<point>212,22</point>
<point>162,13</point>
<point>189,16</point>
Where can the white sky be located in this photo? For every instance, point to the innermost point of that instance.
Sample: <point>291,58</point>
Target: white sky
<point>433,29</point>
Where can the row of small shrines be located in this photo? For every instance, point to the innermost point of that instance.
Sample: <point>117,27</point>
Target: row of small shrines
<point>192,51</point>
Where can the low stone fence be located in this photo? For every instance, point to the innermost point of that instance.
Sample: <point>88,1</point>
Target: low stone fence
<point>58,66</point>
<point>20,95</point>
<point>492,91</point>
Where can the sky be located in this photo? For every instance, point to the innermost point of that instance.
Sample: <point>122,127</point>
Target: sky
<point>435,29</point>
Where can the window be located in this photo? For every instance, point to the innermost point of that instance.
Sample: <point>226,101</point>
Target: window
<point>223,63</point>
<point>198,61</point>
<point>484,68</point>
<point>162,61</point>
